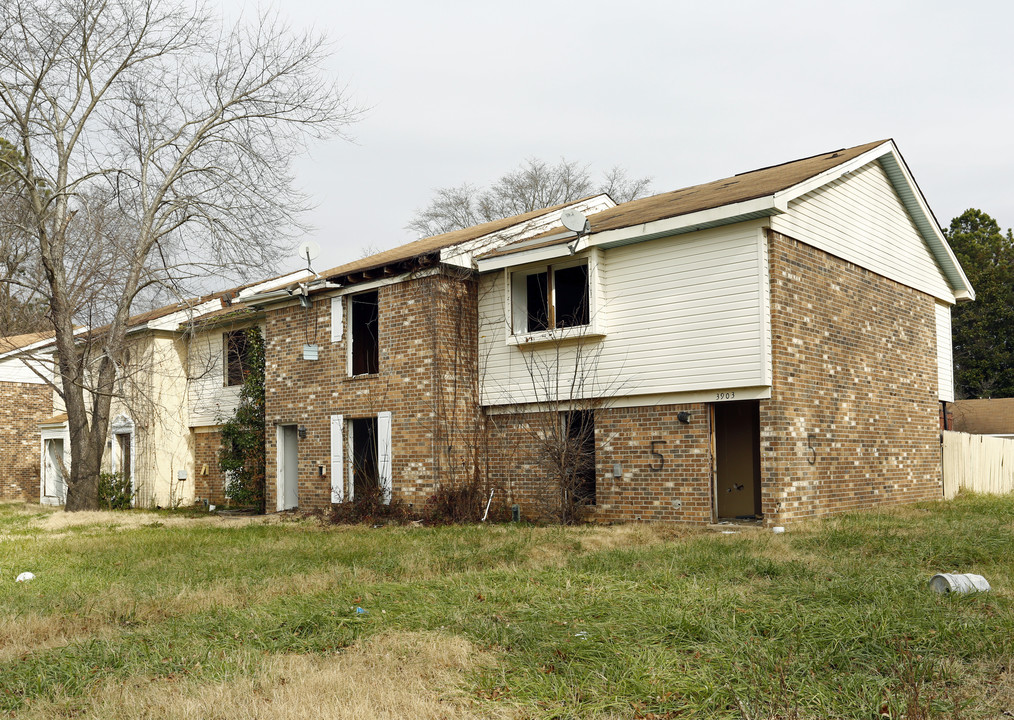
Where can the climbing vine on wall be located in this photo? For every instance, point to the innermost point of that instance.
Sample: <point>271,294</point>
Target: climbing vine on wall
<point>242,455</point>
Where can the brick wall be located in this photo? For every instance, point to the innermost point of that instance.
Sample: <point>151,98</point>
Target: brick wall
<point>673,485</point>
<point>209,481</point>
<point>854,359</point>
<point>22,407</point>
<point>427,381</point>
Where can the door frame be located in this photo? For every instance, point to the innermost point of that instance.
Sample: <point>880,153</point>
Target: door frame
<point>280,485</point>
<point>758,464</point>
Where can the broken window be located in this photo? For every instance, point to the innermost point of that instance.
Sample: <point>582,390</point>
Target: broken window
<point>579,431</point>
<point>364,325</point>
<point>237,356</point>
<point>550,298</point>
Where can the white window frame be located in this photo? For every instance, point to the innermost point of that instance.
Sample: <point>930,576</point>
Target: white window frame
<point>516,308</point>
<point>384,463</point>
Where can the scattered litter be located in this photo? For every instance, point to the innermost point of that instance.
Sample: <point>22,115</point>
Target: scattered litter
<point>490,502</point>
<point>361,611</point>
<point>25,577</point>
<point>777,529</point>
<point>959,583</point>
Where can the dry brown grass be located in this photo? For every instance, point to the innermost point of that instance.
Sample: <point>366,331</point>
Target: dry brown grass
<point>407,675</point>
<point>56,520</point>
<point>32,633</point>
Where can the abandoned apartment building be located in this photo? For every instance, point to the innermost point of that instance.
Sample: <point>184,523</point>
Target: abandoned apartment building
<point>771,345</point>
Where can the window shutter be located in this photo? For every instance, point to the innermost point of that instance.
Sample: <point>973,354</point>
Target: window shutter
<point>384,454</point>
<point>336,319</point>
<point>337,459</point>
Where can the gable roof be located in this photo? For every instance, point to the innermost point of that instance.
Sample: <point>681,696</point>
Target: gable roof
<point>754,194</point>
<point>727,191</point>
<point>18,342</point>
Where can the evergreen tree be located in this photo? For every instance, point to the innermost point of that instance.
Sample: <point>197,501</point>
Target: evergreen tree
<point>983,330</point>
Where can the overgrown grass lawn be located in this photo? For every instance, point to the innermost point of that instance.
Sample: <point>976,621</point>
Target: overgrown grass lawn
<point>148,615</point>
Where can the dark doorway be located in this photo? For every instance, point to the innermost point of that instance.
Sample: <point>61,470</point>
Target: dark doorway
<point>123,448</point>
<point>736,435</point>
<point>364,457</point>
<point>579,427</point>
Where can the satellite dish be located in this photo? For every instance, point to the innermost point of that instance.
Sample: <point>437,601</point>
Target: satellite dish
<point>308,250</point>
<point>574,220</point>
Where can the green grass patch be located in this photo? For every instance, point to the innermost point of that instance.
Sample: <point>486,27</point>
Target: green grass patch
<point>831,619</point>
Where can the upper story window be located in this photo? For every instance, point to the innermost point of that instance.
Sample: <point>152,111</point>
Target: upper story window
<point>551,297</point>
<point>364,326</point>
<point>236,348</point>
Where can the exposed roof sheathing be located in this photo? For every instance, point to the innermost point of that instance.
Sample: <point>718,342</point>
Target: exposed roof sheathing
<point>436,243</point>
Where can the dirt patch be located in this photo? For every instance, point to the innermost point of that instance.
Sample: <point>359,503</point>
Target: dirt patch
<point>408,675</point>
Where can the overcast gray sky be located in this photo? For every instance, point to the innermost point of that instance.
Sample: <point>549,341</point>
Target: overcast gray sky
<point>685,92</point>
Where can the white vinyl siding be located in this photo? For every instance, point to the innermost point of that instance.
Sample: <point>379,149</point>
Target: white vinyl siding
<point>945,354</point>
<point>210,401</point>
<point>337,458</point>
<point>685,314</point>
<point>860,218</point>
<point>16,370</point>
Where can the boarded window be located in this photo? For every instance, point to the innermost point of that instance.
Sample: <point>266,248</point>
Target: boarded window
<point>579,429</point>
<point>237,360</point>
<point>365,336</point>
<point>365,470</point>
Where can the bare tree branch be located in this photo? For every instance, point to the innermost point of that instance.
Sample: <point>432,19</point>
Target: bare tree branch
<point>154,145</point>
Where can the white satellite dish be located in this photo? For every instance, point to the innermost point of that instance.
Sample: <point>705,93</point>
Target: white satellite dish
<point>308,250</point>
<point>574,220</point>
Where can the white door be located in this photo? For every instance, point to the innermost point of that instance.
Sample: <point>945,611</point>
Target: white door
<point>54,488</point>
<point>288,480</point>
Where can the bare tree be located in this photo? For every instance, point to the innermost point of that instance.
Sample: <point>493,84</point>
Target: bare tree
<point>22,309</point>
<point>155,145</point>
<point>534,185</point>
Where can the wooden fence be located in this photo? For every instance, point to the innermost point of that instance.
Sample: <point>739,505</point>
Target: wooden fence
<point>977,462</point>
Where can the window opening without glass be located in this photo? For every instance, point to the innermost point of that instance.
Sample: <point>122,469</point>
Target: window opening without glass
<point>365,324</point>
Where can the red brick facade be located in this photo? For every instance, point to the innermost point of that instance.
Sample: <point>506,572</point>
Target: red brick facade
<point>209,481</point>
<point>852,421</point>
<point>855,377</point>
<point>663,464</point>
<point>426,380</point>
<point>22,407</point>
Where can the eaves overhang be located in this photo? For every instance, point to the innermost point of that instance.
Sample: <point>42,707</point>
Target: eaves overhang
<point>886,153</point>
<point>681,224</point>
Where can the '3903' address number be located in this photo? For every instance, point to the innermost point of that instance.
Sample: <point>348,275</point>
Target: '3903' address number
<point>725,396</point>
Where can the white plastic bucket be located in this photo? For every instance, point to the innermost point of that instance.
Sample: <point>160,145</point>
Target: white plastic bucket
<point>959,583</point>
